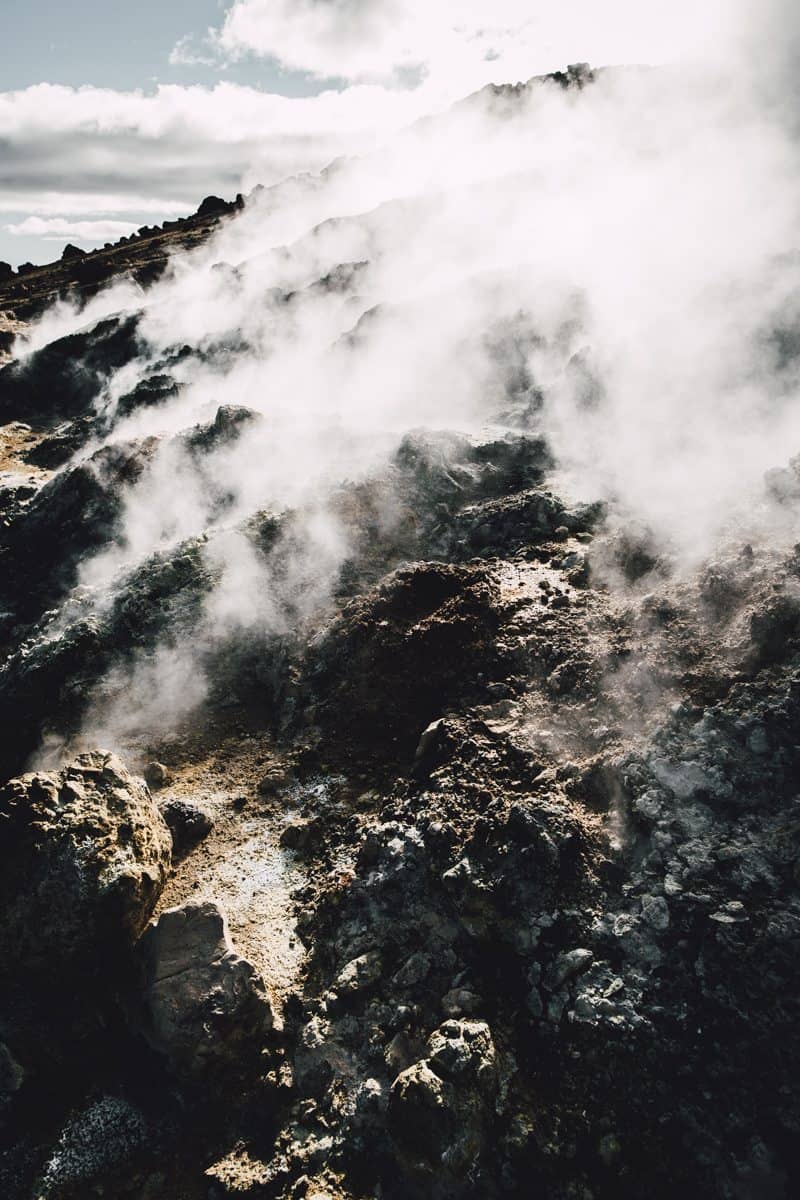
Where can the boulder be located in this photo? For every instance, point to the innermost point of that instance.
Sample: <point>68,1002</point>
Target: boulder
<point>84,855</point>
<point>227,426</point>
<point>188,824</point>
<point>302,835</point>
<point>96,1141</point>
<point>439,1108</point>
<point>202,1006</point>
<point>156,775</point>
<point>359,975</point>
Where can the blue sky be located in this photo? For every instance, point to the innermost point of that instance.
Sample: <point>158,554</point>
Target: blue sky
<point>122,45</point>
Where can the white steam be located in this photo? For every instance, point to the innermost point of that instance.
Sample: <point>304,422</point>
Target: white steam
<point>646,227</point>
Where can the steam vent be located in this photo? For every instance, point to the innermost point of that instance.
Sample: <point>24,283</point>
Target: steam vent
<point>400,603</point>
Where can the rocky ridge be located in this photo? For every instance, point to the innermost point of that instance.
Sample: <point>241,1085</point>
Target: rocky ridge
<point>27,292</point>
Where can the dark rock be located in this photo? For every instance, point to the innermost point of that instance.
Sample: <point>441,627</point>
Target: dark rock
<point>773,626</point>
<point>165,590</point>
<point>409,646</point>
<point>14,496</point>
<point>226,427</point>
<point>512,523</point>
<point>359,975</point>
<point>150,392</point>
<point>300,836</point>
<point>55,449</point>
<point>440,1108</point>
<point>273,781</point>
<point>12,1075</point>
<point>64,379</point>
<point>95,1142</point>
<point>430,746</point>
<point>71,252</point>
<point>74,512</point>
<point>91,271</point>
<point>188,824</point>
<point>213,206</point>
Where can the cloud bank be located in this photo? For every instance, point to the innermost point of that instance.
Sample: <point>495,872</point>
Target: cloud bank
<point>465,44</point>
<point>57,229</point>
<point>84,152</point>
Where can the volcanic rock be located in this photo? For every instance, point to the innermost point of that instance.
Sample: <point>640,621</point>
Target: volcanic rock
<point>12,1075</point>
<point>156,775</point>
<point>213,206</point>
<point>71,252</point>
<point>84,856</point>
<point>439,1107</point>
<point>64,378</point>
<point>188,824</point>
<point>202,1006</point>
<point>75,512</point>
<point>409,647</point>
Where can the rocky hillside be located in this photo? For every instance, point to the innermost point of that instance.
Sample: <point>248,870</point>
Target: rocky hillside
<point>27,292</point>
<point>382,815</point>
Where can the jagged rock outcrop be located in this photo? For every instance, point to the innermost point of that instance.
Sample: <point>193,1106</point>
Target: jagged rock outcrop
<point>75,513</point>
<point>72,253</point>
<point>188,823</point>
<point>85,854</point>
<point>63,379</point>
<point>79,275</point>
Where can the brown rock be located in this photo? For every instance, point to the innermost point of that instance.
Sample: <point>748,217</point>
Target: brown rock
<point>203,1006</point>
<point>156,775</point>
<point>84,854</point>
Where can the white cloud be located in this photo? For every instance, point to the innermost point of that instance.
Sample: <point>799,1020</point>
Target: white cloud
<point>90,204</point>
<point>186,54</point>
<point>469,43</point>
<point>57,229</point>
<point>226,114</point>
<point>94,152</point>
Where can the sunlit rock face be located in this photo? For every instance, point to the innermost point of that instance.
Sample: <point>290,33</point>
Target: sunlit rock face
<point>87,853</point>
